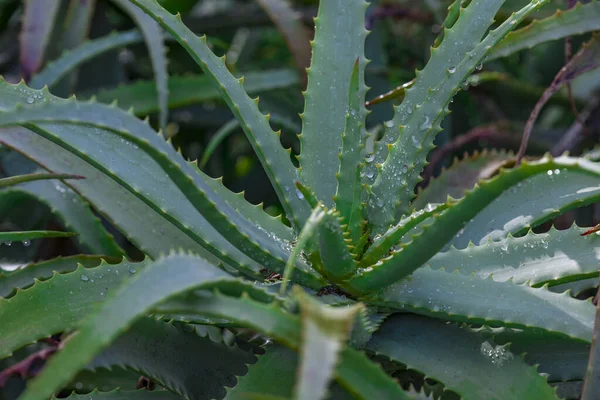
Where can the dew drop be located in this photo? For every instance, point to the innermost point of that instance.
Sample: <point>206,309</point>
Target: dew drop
<point>132,271</point>
<point>425,124</point>
<point>416,142</point>
<point>370,174</point>
<point>479,67</point>
<point>379,202</point>
<point>451,70</point>
<point>26,242</point>
<point>30,100</point>
<point>556,171</point>
<point>299,194</point>
<point>550,172</point>
<point>405,168</point>
<point>377,237</point>
<point>369,158</point>
<point>389,124</point>
<point>84,278</point>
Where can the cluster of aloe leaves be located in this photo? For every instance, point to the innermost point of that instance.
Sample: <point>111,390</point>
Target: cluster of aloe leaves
<point>361,286</point>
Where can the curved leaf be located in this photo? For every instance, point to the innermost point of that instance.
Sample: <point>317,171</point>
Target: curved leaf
<point>68,61</point>
<point>155,283</point>
<point>480,369</point>
<point>591,389</point>
<point>156,48</point>
<point>275,160</point>
<point>14,180</point>
<point>339,42</point>
<point>8,237</point>
<point>580,19</point>
<point>469,298</point>
<point>124,395</point>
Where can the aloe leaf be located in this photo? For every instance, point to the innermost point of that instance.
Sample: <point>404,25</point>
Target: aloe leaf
<point>9,237</point>
<point>433,237</point>
<point>38,21</point>
<point>74,213</point>
<point>117,394</point>
<point>69,60</point>
<point>325,331</point>
<point>591,389</point>
<point>481,370</point>
<point>156,49</point>
<point>553,258</point>
<point>339,42</point>
<point>296,35</point>
<point>578,20</point>
<point>33,310</point>
<point>155,283</point>
<point>461,176</point>
<point>522,207</point>
<point>349,186</point>
<point>469,298</point>
<point>15,180</point>
<point>417,120</point>
<point>275,160</point>
<point>153,349</point>
<point>187,90</point>
<point>337,260</point>
<point>143,225</point>
<point>26,276</point>
<point>355,372</point>
<point>561,358</point>
<point>258,244</point>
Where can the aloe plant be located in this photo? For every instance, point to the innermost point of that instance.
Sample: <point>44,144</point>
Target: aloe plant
<point>362,282</point>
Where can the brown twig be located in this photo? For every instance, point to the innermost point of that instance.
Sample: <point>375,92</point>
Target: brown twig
<point>24,368</point>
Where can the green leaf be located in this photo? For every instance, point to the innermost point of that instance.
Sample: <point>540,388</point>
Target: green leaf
<point>337,260</point>
<point>33,312</point>
<point>578,20</point>
<point>69,60</point>
<point>591,389</point>
<point>15,180</point>
<point>275,160</point>
<point>480,369</point>
<point>258,244</point>
<point>355,372</point>
<point>117,394</point>
<point>325,331</point>
<point>157,50</point>
<point>417,120</point>
<point>145,226</point>
<point>534,201</point>
<point>154,349</point>
<point>8,237</point>
<point>26,276</point>
<point>462,175</point>
<point>39,17</point>
<point>469,298</point>
<point>349,186</point>
<point>339,42</point>
<point>74,212</point>
<point>155,283</point>
<point>436,234</point>
<point>187,90</point>
<point>553,258</point>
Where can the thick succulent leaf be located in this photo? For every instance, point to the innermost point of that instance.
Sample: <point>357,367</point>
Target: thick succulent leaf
<point>38,22</point>
<point>578,20</point>
<point>74,213</point>
<point>553,258</point>
<point>15,180</point>
<point>296,35</point>
<point>117,394</point>
<point>156,49</point>
<point>157,282</point>
<point>469,298</point>
<point>417,120</point>
<point>591,389</point>
<point>348,199</point>
<point>258,244</point>
<point>325,331</point>
<point>462,175</point>
<point>563,359</point>
<point>267,146</point>
<point>70,60</point>
<point>154,349</point>
<point>337,260</point>
<point>479,369</point>
<point>445,226</point>
<point>187,90</point>
<point>26,276</point>
<point>339,42</point>
<point>9,237</point>
<point>530,203</point>
<point>355,372</point>
<point>145,226</point>
<point>72,296</point>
